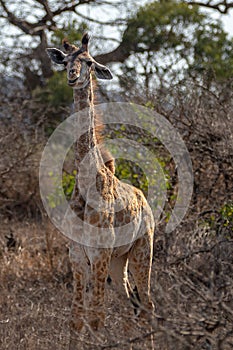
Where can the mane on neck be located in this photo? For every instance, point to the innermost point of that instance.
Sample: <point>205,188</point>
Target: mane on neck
<point>84,99</point>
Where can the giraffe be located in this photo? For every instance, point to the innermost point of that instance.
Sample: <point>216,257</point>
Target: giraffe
<point>121,204</point>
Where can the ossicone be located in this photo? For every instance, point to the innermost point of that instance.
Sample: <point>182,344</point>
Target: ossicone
<point>67,46</point>
<point>85,41</point>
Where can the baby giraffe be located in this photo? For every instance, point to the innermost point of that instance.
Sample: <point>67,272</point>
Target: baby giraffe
<point>110,211</point>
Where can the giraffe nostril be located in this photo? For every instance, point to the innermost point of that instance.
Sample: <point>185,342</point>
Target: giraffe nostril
<point>72,71</point>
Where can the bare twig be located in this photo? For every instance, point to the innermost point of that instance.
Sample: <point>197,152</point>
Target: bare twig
<point>221,6</point>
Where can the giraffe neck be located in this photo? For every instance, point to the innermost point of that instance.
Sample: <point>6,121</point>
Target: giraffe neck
<point>83,98</point>
<point>86,144</point>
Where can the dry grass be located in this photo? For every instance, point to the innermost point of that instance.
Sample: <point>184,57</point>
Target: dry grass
<point>35,296</point>
<point>192,290</point>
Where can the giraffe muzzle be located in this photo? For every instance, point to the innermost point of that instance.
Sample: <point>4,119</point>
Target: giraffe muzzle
<point>72,82</point>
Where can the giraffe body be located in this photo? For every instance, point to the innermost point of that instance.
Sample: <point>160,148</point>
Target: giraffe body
<point>113,218</point>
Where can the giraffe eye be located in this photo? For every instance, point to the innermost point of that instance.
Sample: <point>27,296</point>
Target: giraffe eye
<point>89,63</point>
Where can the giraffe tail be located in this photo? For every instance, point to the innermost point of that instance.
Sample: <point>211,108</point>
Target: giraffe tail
<point>134,298</point>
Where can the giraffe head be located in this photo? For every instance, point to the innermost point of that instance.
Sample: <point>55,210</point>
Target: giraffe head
<point>78,63</point>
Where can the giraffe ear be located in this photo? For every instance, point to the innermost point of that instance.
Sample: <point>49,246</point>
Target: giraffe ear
<point>56,55</point>
<point>101,71</point>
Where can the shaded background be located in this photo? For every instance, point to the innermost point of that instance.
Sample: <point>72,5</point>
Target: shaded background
<point>175,57</point>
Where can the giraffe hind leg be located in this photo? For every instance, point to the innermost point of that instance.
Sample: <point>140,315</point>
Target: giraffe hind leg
<point>119,276</point>
<point>140,260</point>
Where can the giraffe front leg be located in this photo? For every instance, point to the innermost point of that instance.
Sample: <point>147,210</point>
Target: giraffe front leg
<point>77,309</point>
<point>79,267</point>
<point>97,283</point>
